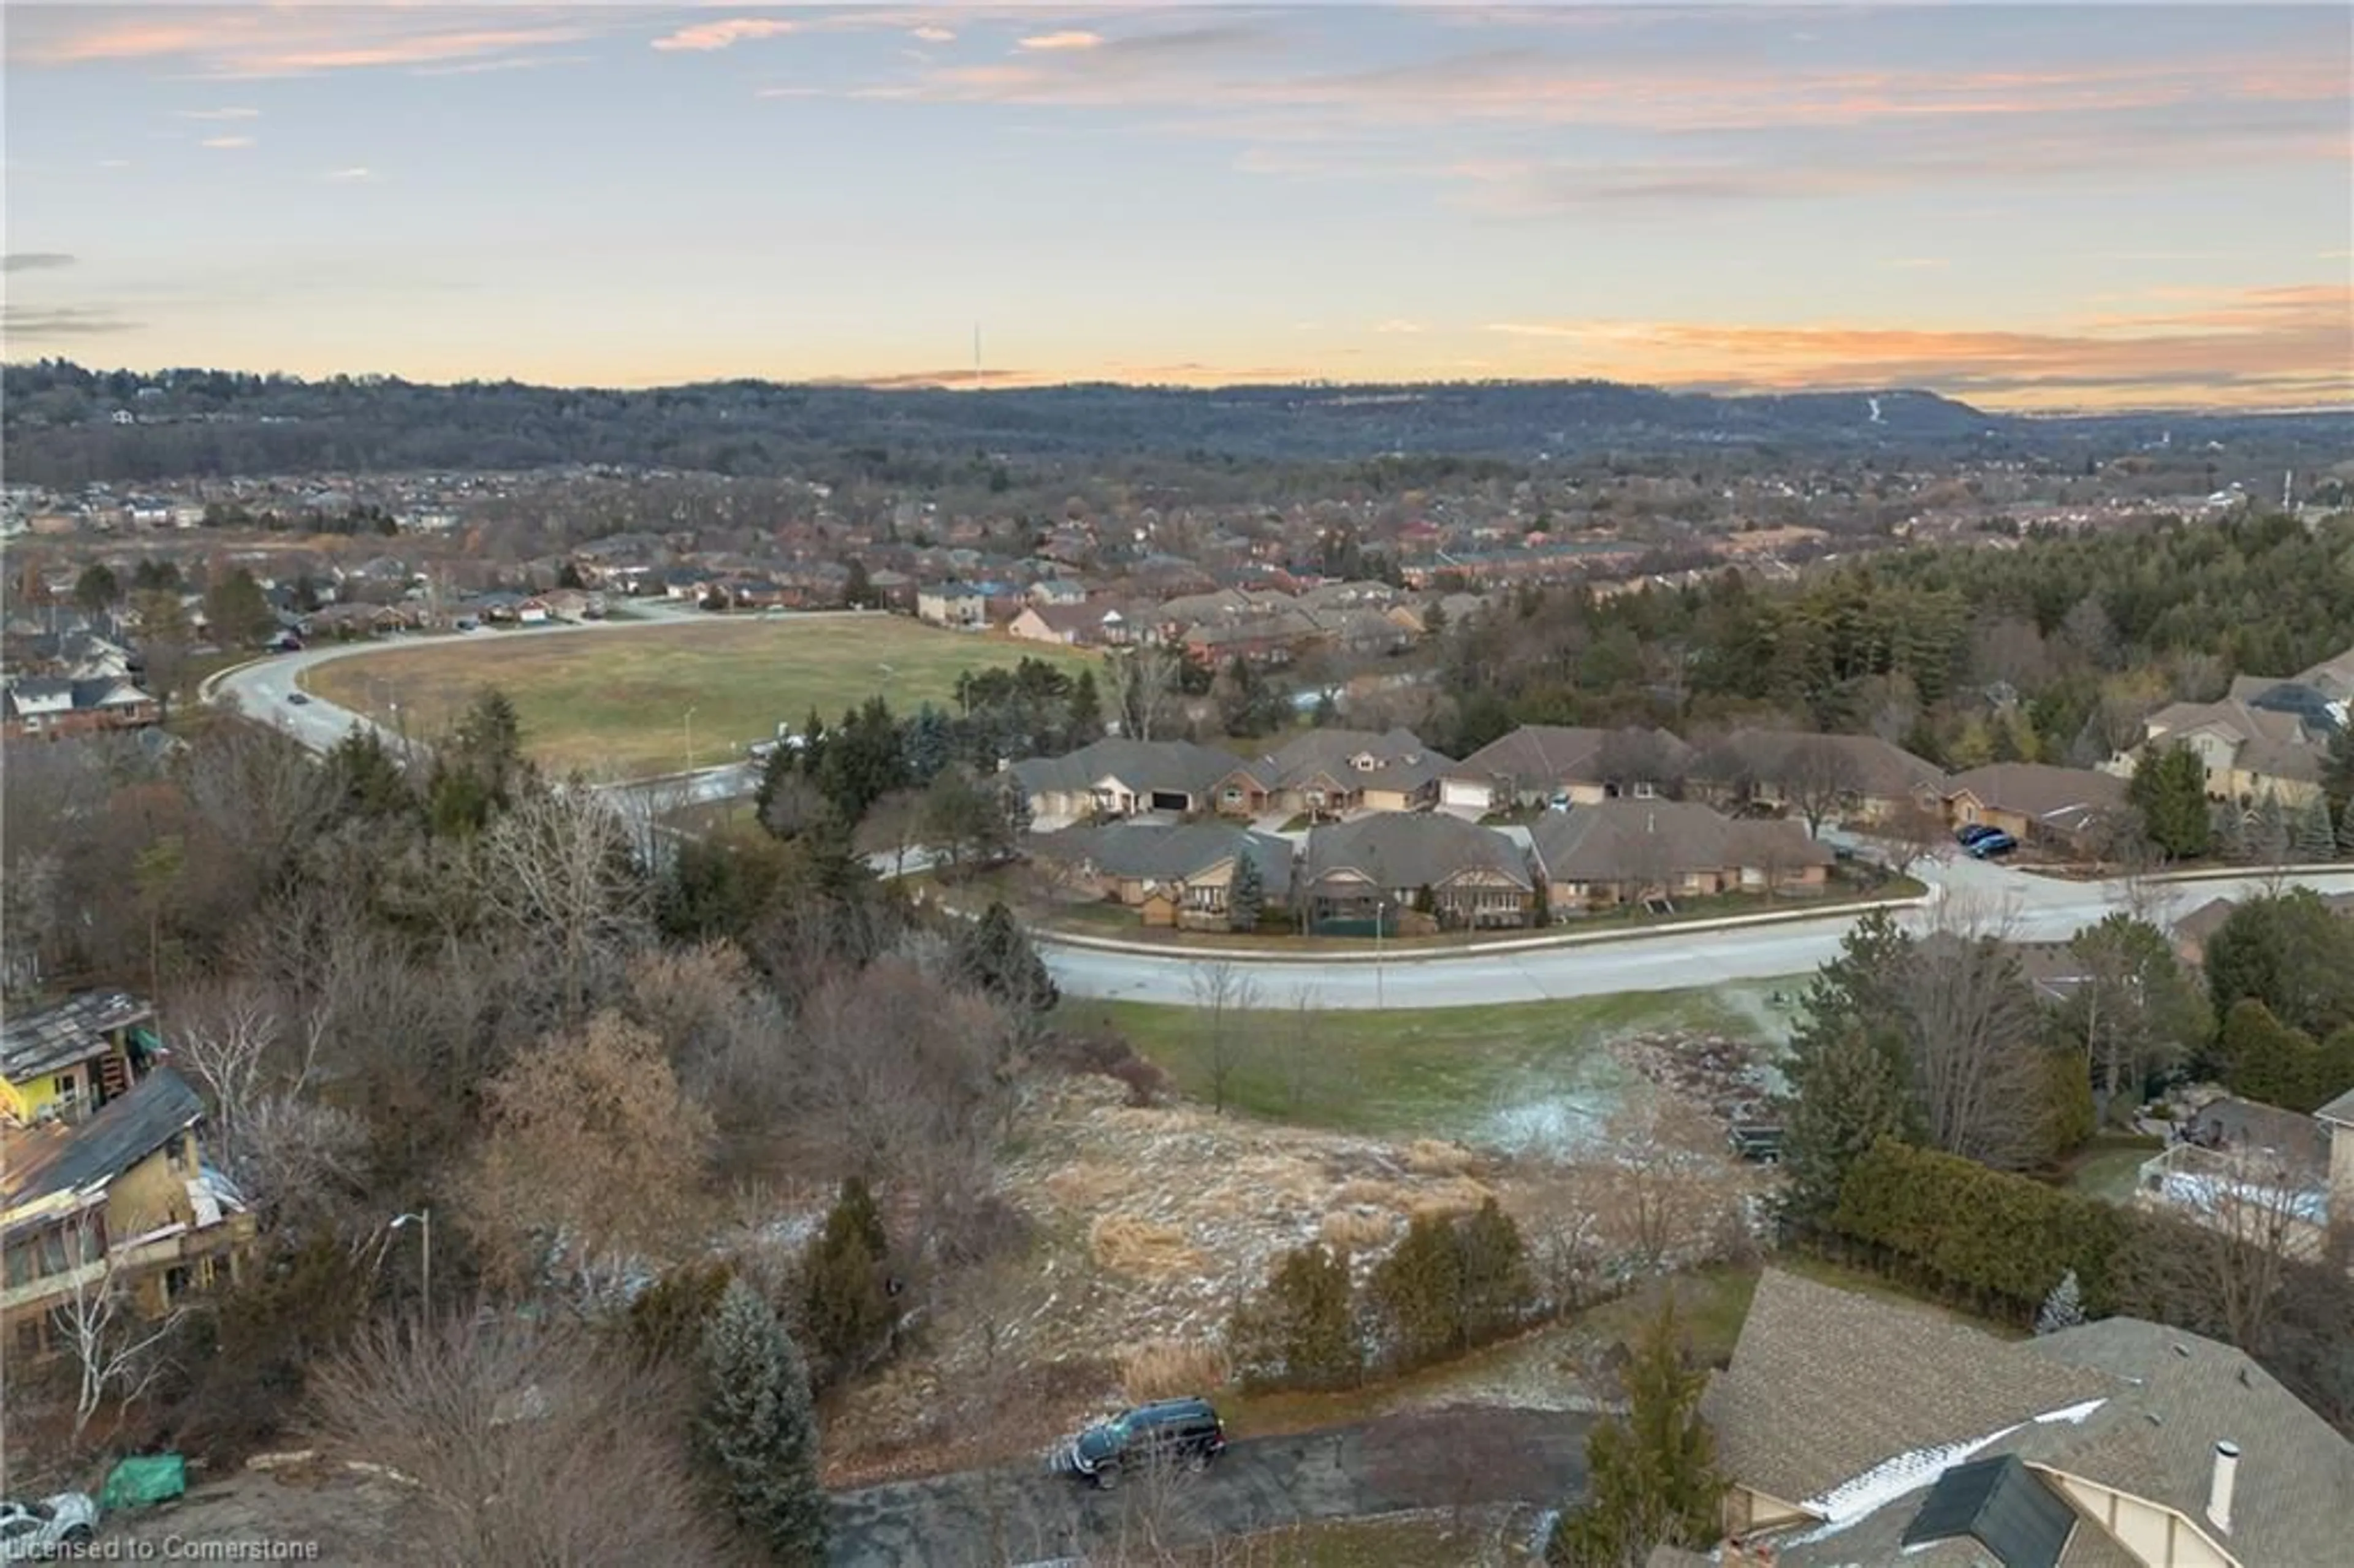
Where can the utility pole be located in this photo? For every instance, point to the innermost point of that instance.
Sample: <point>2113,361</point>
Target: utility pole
<point>690,738</point>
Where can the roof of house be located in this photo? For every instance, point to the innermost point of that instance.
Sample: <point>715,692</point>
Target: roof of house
<point>1858,1408</point>
<point>74,1030</point>
<point>2000,1504</point>
<point>125,1131</point>
<point>1879,770</point>
<point>2298,1140</point>
<point>1400,850</point>
<point>1169,851</point>
<point>2195,925</point>
<point>2338,1112</point>
<point>1551,753</point>
<point>1634,840</point>
<point>2266,742</point>
<point>2063,798</point>
<point>1398,758</point>
<point>1826,1384</point>
<point>1140,765</point>
<point>2332,677</point>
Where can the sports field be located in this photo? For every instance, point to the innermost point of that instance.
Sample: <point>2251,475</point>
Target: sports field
<point>617,702</point>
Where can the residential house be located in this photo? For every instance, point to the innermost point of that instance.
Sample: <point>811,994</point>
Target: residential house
<point>1380,866</point>
<point>1118,777</point>
<point>952,604</point>
<point>1171,873</point>
<point>2258,1172</point>
<point>42,707</point>
<point>1623,851</point>
<point>1070,625</point>
<point>1274,637</point>
<point>2336,1119</point>
<point>1844,777</point>
<point>1538,763</point>
<point>2192,931</point>
<point>120,1203</point>
<point>1056,590</point>
<point>2247,751</point>
<point>2073,809</point>
<point>1858,1430</point>
<point>64,1060</point>
<point>1327,773</point>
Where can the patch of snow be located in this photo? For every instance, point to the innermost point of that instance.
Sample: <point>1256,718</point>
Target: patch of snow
<point>1893,1478</point>
<point>1557,1124</point>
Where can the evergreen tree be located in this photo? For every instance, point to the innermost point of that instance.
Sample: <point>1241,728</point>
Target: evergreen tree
<point>926,745</point>
<point>1652,1477</point>
<point>1849,1089</point>
<point>2268,838</point>
<point>847,1311</point>
<point>1300,1332</point>
<point>993,954</point>
<point>2064,1308</point>
<point>759,1429</point>
<point>1418,1291</point>
<point>857,587</point>
<point>97,590</point>
<point>2169,790</point>
<point>2315,840</point>
<point>1247,897</point>
<point>1083,722</point>
<point>1496,1289</point>
<point>2346,831</point>
<point>2229,826</point>
<point>238,612</point>
<point>366,779</point>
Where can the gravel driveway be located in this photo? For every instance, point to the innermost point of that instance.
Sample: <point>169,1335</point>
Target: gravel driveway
<point>1424,1459</point>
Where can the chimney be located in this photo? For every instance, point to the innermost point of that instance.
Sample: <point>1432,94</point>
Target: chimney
<point>2219,1489</point>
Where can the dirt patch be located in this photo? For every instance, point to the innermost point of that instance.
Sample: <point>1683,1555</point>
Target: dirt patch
<point>349,1517</point>
<point>1731,1079</point>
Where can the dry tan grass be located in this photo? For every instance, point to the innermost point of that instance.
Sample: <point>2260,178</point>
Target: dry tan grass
<point>1456,1195</point>
<point>1170,1369</point>
<point>1365,1192</point>
<point>1429,1157</point>
<point>1084,1185</point>
<point>1127,1244</point>
<point>1356,1229</point>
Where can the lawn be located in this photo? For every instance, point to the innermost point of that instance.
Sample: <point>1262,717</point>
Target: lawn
<point>617,701</point>
<point>1504,1075</point>
<point>2110,1166</point>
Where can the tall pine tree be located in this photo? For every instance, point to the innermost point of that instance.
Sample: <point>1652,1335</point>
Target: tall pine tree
<point>1653,1479</point>
<point>759,1428</point>
<point>1246,896</point>
<point>848,1313</point>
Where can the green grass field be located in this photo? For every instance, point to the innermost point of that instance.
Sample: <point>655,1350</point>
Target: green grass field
<point>617,702</point>
<point>1485,1073</point>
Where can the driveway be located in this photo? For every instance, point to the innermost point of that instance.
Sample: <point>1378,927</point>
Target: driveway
<point>1424,1459</point>
<point>2031,907</point>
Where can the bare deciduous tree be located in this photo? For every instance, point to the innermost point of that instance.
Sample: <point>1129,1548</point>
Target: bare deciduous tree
<point>1976,1042</point>
<point>115,1352</point>
<point>1668,1193</point>
<point>1916,835</point>
<point>1224,997</point>
<point>559,866</point>
<point>2246,1220</point>
<point>526,1444</point>
<point>1817,777</point>
<point>1139,684</point>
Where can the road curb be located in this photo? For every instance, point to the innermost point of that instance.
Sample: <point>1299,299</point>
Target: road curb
<point>1414,955</point>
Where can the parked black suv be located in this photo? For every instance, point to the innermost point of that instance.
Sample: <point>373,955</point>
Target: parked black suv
<point>1186,1430</point>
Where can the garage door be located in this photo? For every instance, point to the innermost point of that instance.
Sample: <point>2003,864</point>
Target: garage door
<point>1468,792</point>
<point>1172,801</point>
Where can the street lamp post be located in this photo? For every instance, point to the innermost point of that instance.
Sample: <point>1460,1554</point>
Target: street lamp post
<point>423,1219</point>
<point>689,738</point>
<point>1380,918</point>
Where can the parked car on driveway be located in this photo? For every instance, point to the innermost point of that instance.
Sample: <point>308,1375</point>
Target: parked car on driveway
<point>38,1532</point>
<point>1992,844</point>
<point>1970,834</point>
<point>1184,1430</point>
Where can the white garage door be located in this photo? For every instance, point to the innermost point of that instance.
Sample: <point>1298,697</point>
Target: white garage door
<point>1469,792</point>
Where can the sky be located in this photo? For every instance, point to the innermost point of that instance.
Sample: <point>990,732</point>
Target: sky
<point>2062,206</point>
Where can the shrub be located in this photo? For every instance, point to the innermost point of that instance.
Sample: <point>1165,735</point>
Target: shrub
<point>1300,1330</point>
<point>847,1311</point>
<point>1170,1369</point>
<point>759,1428</point>
<point>667,1319</point>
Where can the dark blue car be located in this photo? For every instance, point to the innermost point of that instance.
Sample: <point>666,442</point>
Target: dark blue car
<point>1991,844</point>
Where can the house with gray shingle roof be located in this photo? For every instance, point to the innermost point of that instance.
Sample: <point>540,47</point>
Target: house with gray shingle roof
<point>1471,876</point>
<point>1856,1430</point>
<point>1174,873</point>
<point>1541,762</point>
<point>2248,751</point>
<point>1117,776</point>
<point>1326,772</point>
<point>1623,851</point>
<point>2036,803</point>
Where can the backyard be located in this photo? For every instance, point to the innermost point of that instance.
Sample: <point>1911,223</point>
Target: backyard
<point>645,699</point>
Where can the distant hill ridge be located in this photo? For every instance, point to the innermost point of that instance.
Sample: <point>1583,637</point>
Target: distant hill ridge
<point>67,424</point>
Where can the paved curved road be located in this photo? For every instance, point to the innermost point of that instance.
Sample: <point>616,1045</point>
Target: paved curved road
<point>2033,907</point>
<point>1462,1457</point>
